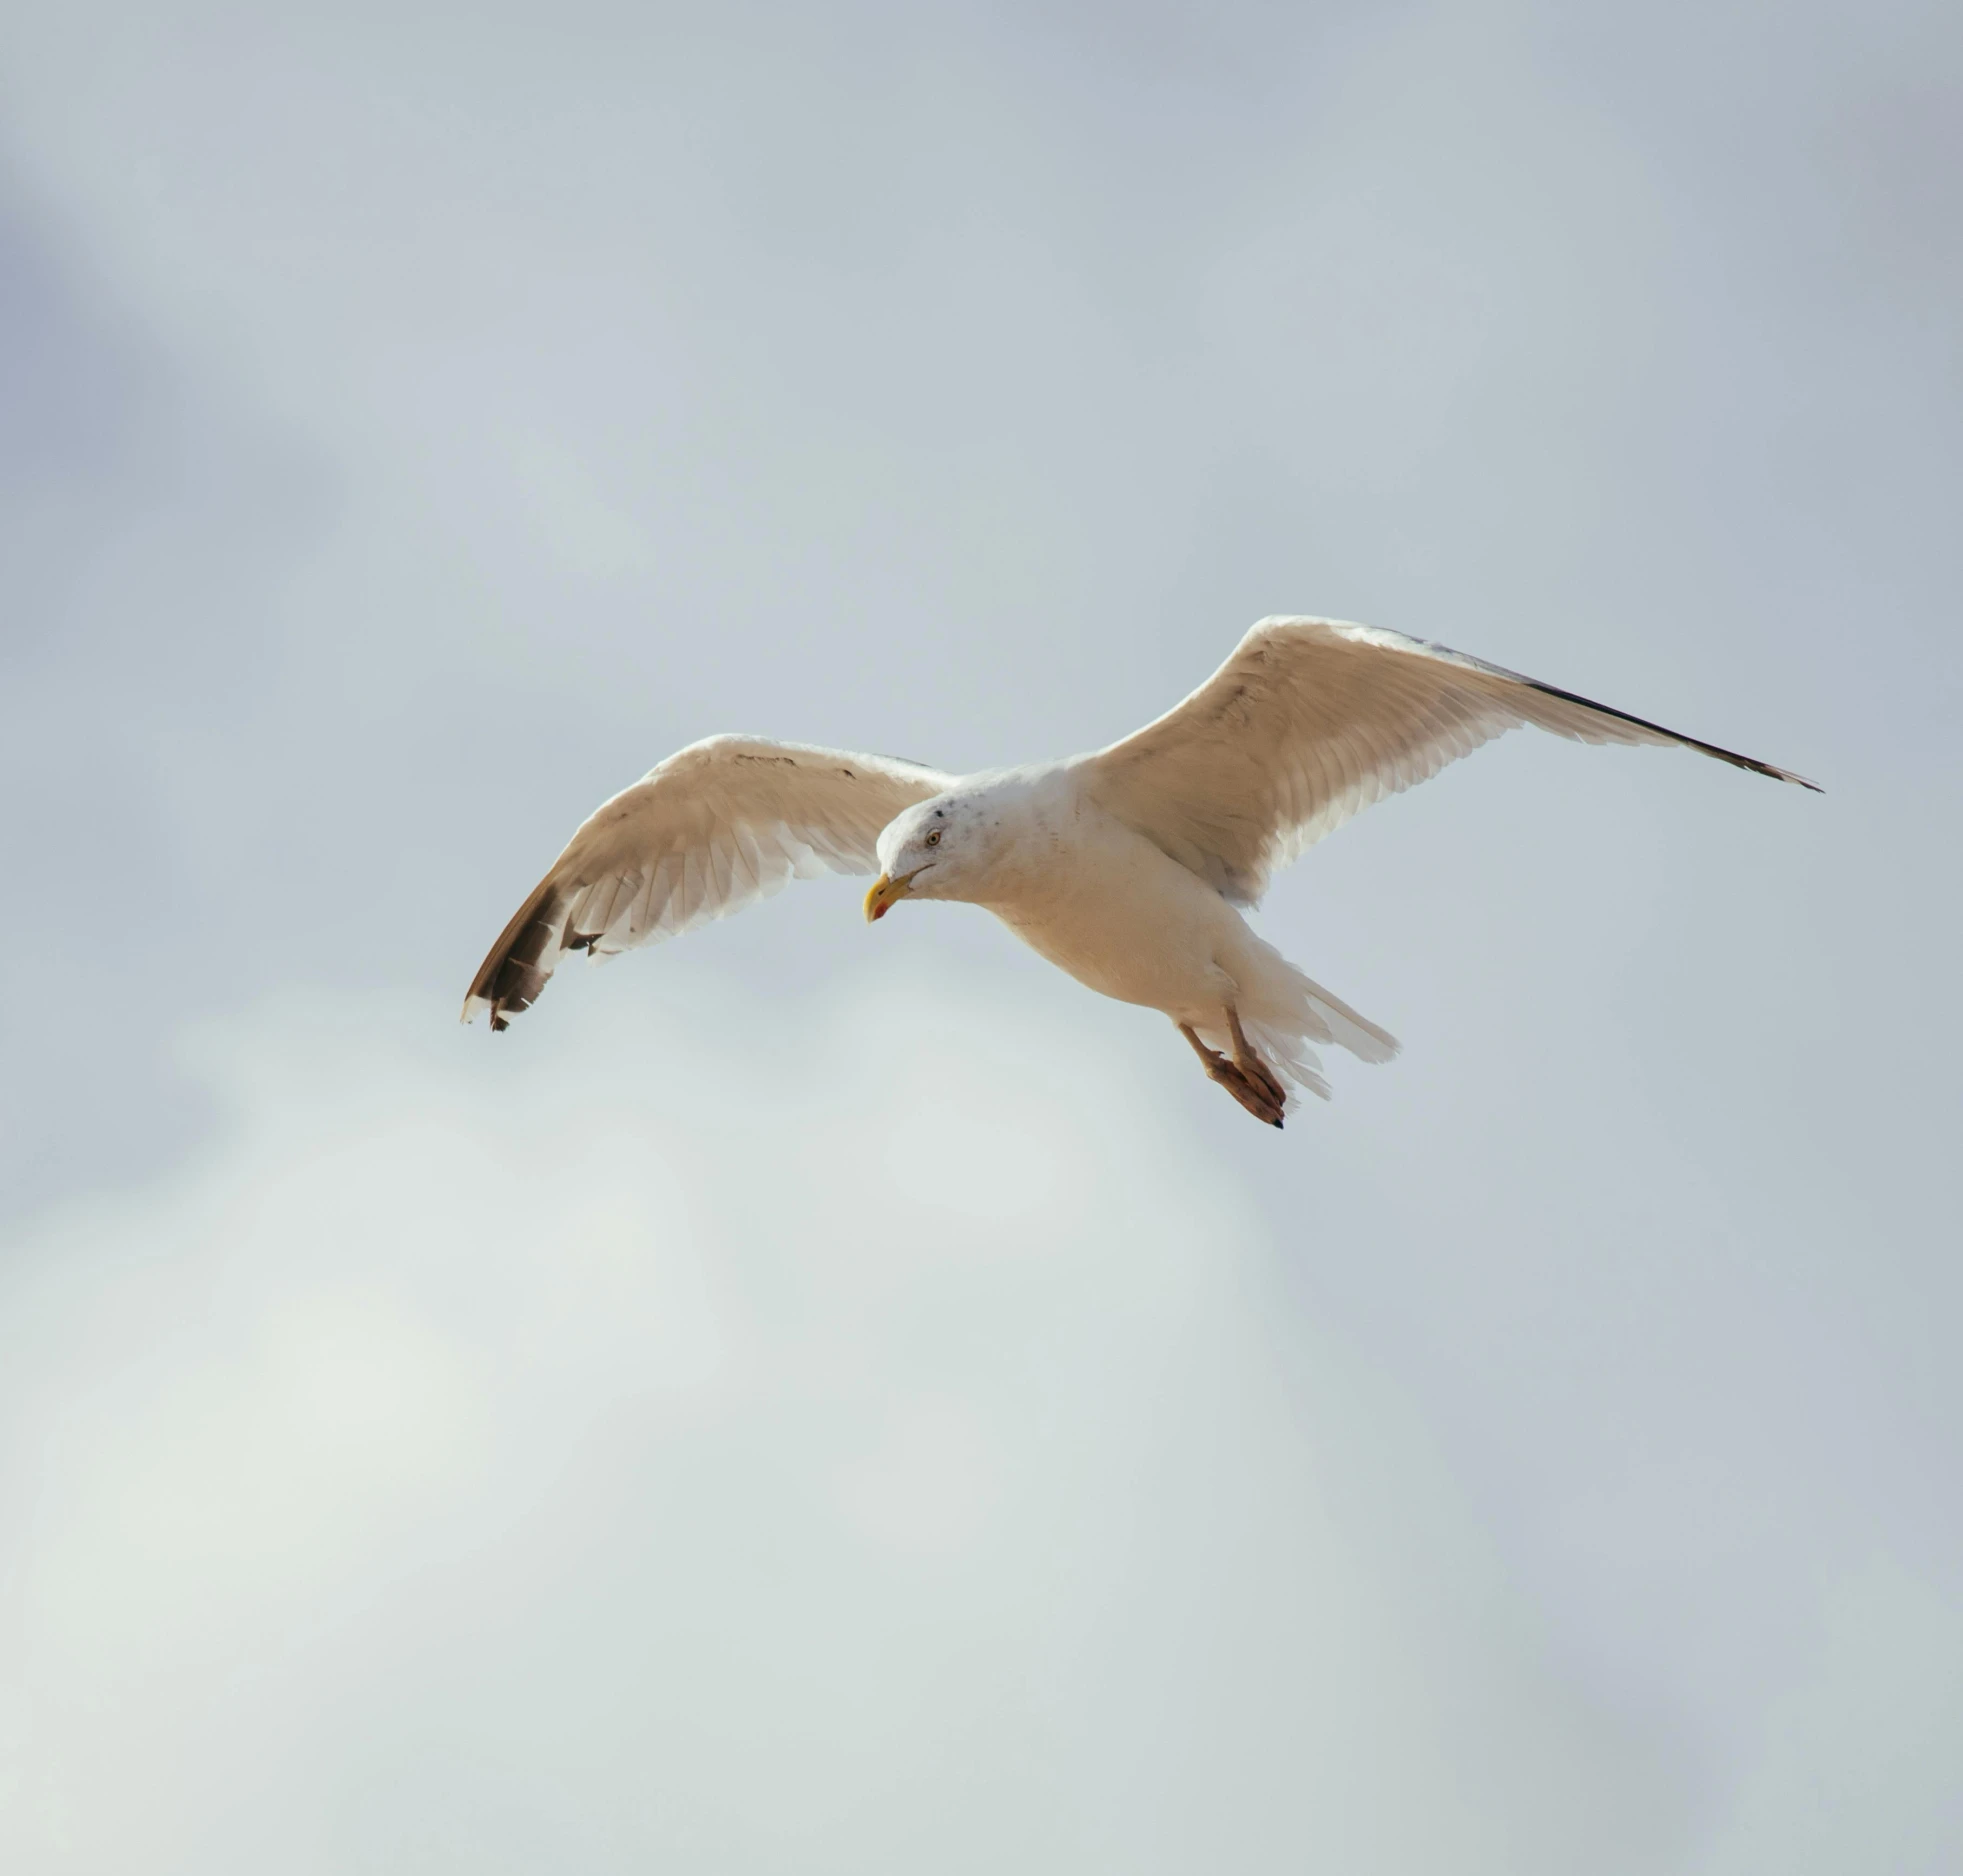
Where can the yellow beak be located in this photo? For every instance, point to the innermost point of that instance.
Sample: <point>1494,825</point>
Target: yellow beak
<point>886,893</point>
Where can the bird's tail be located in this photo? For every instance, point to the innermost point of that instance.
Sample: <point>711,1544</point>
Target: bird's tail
<point>1286,1015</point>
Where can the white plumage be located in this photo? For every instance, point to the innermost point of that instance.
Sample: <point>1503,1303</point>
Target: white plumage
<point>1124,867</point>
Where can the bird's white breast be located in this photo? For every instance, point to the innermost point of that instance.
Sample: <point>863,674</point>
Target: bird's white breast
<point>1105,904</point>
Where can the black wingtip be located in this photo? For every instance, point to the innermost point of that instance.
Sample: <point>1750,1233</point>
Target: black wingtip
<point>1644,723</point>
<point>1757,767</point>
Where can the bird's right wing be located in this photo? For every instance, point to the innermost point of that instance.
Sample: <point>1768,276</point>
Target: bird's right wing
<point>1311,720</point>
<point>719,824</point>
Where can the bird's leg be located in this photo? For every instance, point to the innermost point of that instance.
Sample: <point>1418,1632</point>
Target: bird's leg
<point>1249,1063</point>
<point>1256,1096</point>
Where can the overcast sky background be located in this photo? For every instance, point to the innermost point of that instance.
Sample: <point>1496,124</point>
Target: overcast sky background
<point>814,1398</point>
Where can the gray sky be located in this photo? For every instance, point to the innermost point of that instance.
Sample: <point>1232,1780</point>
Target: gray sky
<point>644,1441</point>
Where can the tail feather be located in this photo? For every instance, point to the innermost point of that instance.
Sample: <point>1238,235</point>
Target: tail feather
<point>1287,1015</point>
<point>1347,1029</point>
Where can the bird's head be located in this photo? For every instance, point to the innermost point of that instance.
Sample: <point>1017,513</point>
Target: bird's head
<point>936,850</point>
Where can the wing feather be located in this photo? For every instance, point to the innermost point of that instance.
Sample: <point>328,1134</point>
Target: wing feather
<point>1312,720</point>
<point>718,825</point>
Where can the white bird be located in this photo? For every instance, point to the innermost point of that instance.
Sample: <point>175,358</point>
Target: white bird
<point>1126,867</point>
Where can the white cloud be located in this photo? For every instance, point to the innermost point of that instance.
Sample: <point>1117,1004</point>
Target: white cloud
<point>589,1447</point>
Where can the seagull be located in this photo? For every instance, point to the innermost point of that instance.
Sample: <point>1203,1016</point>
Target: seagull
<point>1128,867</point>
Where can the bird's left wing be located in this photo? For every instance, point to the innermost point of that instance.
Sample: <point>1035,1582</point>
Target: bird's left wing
<point>1309,722</point>
<point>719,824</point>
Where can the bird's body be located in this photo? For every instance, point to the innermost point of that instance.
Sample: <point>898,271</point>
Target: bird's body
<point>1125,867</point>
<point>1116,912</point>
<point>1103,903</point>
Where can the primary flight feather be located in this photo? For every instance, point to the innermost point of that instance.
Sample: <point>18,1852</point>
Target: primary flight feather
<point>1125,866</point>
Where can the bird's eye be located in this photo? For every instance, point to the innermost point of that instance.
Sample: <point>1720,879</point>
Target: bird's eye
<point>934,839</point>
